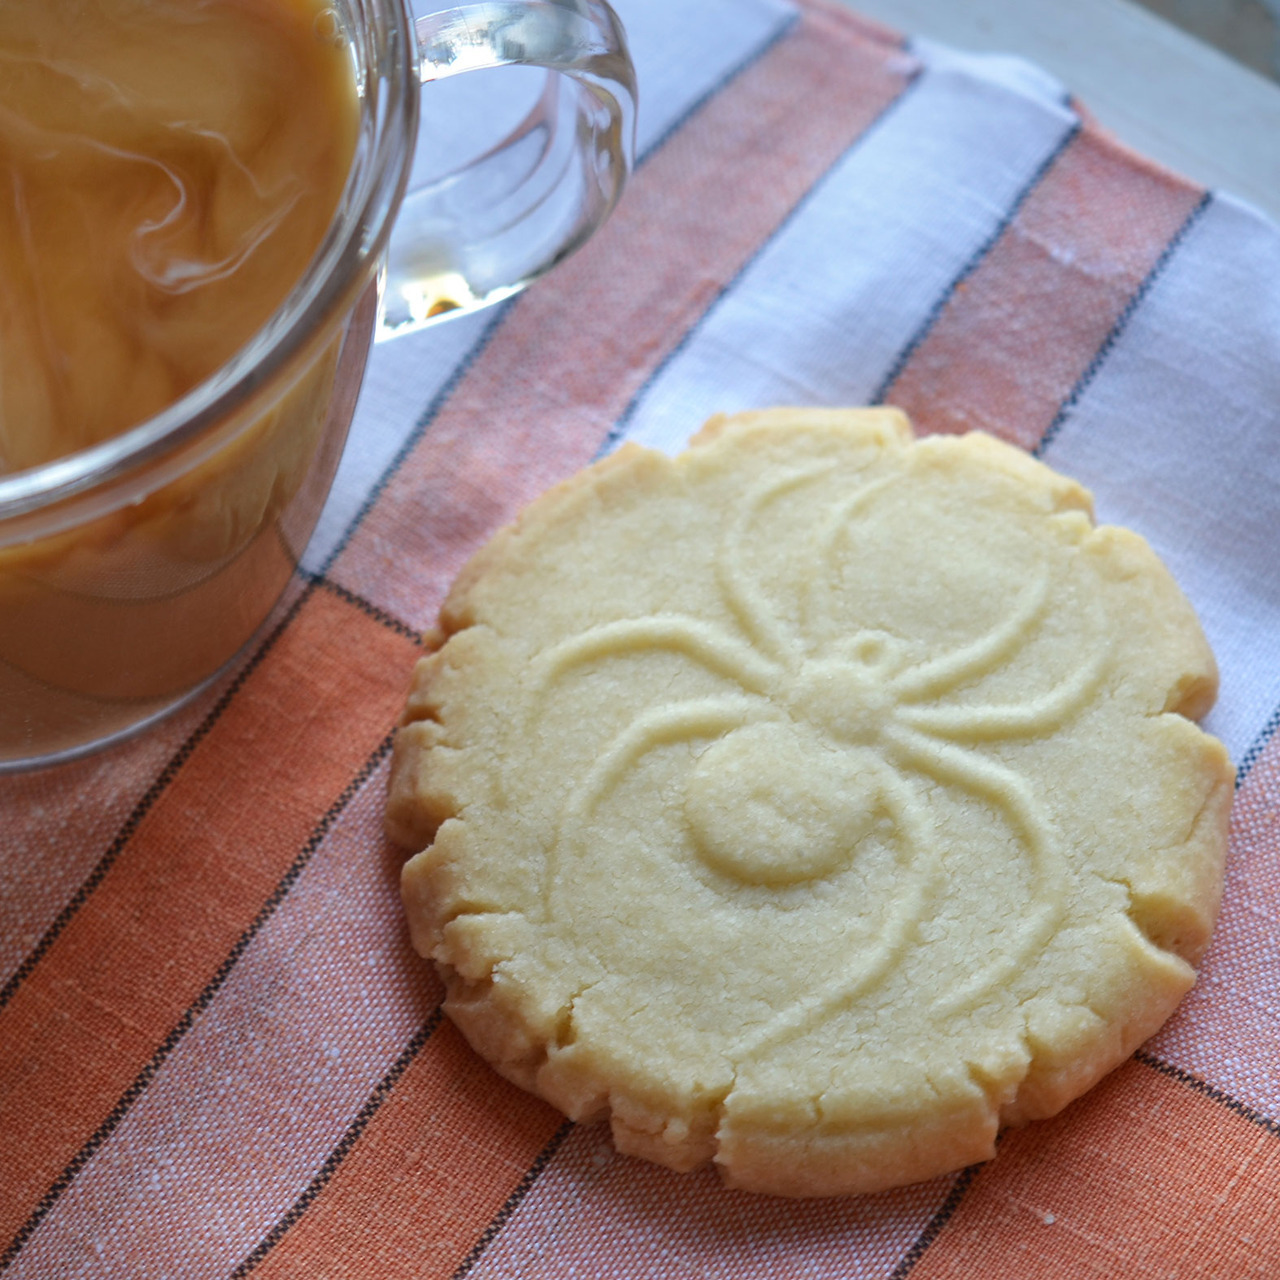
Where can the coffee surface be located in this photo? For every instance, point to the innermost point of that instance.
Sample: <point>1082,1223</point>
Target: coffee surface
<point>167,170</point>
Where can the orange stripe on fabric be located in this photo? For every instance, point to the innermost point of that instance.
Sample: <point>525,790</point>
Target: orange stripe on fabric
<point>197,869</point>
<point>434,1166</point>
<point>1141,1178</point>
<point>1020,331</point>
<point>541,398</point>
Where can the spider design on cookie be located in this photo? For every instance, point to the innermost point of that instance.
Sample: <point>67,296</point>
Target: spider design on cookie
<point>813,803</point>
<point>849,708</point>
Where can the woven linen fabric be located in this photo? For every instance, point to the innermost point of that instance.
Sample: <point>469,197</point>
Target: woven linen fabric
<point>218,1054</point>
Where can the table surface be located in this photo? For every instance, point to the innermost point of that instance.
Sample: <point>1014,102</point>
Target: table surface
<point>1162,91</point>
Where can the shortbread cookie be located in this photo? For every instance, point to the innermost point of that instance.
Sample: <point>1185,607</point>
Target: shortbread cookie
<point>816,802</point>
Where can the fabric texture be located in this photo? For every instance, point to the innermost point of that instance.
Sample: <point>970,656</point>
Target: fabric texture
<point>219,1055</point>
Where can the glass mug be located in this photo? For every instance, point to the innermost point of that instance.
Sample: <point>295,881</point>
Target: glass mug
<point>134,571</point>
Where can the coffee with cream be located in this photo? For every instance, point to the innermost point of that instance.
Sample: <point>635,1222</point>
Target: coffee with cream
<point>167,170</point>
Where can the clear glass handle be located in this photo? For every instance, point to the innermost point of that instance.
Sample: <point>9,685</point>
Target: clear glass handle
<point>484,231</point>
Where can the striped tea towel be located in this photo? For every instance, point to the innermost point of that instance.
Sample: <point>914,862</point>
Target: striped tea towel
<point>218,1055</point>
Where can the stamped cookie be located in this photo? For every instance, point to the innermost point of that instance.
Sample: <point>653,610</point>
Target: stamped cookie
<point>816,802</point>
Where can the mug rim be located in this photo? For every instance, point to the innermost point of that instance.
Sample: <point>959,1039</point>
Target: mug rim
<point>352,249</point>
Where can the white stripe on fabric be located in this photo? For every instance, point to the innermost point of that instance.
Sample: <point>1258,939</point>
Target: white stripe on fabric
<point>1176,436</point>
<point>823,311</point>
<point>677,64</point>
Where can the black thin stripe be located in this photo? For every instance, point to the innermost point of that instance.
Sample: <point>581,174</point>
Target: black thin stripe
<point>1221,1096</point>
<point>974,262</point>
<point>1257,747</point>
<point>939,1220</point>
<point>523,1187</point>
<point>623,423</point>
<point>369,609</point>
<point>148,1073</point>
<point>463,367</point>
<point>1121,324</point>
<point>372,1104</point>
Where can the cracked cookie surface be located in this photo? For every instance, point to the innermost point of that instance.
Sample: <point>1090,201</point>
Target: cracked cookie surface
<point>816,802</point>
